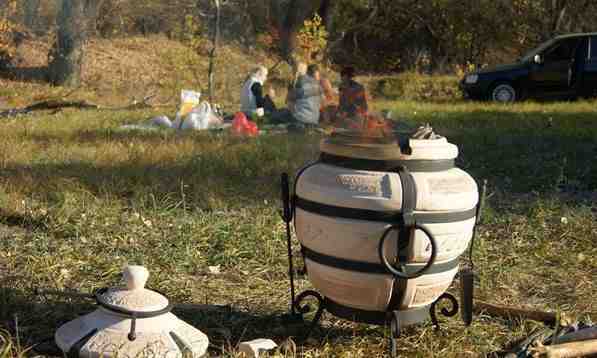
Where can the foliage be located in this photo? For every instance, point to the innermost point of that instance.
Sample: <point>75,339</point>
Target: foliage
<point>415,86</point>
<point>7,34</point>
<point>421,35</point>
<point>451,32</point>
<point>312,38</point>
<point>269,40</point>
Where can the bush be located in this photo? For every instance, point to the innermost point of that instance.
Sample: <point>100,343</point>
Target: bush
<point>7,44</point>
<point>415,86</point>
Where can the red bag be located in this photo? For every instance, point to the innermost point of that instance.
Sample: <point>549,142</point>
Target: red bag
<point>242,127</point>
<point>251,129</point>
<point>238,123</point>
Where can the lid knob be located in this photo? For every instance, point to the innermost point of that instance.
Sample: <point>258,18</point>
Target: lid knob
<point>135,277</point>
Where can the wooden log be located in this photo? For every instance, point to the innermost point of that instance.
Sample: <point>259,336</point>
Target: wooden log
<point>58,105</point>
<point>48,105</point>
<point>566,350</point>
<point>514,312</point>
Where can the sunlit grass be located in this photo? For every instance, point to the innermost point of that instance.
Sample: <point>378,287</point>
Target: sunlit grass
<point>80,198</point>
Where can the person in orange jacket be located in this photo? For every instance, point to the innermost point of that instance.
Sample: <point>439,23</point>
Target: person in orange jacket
<point>353,98</point>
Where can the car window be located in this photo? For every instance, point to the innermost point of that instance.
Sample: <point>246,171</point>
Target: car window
<point>539,49</point>
<point>593,48</point>
<point>562,51</point>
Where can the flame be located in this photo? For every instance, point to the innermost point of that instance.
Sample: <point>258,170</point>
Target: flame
<point>368,126</point>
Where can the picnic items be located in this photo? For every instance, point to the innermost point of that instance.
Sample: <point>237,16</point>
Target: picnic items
<point>161,121</point>
<point>199,118</point>
<point>131,321</point>
<point>188,101</point>
<point>243,127</point>
<point>192,115</point>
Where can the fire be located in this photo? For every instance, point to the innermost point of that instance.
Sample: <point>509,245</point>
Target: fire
<point>366,125</point>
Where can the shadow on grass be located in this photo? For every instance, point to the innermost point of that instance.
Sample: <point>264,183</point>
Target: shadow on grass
<point>27,74</point>
<point>32,318</point>
<point>231,173</point>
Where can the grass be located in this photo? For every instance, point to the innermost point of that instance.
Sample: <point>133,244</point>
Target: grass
<point>80,199</point>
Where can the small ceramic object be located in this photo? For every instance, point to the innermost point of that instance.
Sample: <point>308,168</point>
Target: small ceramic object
<point>132,321</point>
<point>252,349</point>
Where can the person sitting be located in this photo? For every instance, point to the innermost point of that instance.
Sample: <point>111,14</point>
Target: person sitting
<point>301,70</point>
<point>307,98</point>
<point>329,101</point>
<point>353,98</point>
<point>252,100</point>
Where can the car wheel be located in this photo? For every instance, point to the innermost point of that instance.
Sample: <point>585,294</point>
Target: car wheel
<point>504,93</point>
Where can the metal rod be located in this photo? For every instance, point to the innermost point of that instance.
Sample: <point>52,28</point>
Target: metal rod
<point>480,206</point>
<point>287,216</point>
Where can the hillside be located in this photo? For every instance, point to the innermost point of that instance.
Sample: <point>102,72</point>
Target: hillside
<point>117,70</point>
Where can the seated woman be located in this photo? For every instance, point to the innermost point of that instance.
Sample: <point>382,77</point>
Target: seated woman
<point>252,100</point>
<point>308,97</point>
<point>301,70</point>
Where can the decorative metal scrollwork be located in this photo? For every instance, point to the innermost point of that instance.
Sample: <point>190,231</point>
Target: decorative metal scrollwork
<point>304,309</point>
<point>451,312</point>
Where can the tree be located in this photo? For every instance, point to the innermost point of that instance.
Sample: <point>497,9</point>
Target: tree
<point>75,20</point>
<point>30,13</point>
<point>8,43</point>
<point>297,12</point>
<point>212,53</point>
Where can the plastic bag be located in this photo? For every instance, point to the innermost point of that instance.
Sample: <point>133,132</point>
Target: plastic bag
<point>161,121</point>
<point>198,118</point>
<point>188,101</point>
<point>242,127</point>
<point>201,117</point>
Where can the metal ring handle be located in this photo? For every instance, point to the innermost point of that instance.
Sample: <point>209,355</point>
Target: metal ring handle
<point>397,272</point>
<point>99,299</point>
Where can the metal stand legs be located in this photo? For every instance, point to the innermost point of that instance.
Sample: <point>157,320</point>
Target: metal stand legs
<point>444,311</point>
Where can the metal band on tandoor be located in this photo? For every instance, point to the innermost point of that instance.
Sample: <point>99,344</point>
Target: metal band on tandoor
<point>370,267</point>
<point>389,217</point>
<point>435,165</point>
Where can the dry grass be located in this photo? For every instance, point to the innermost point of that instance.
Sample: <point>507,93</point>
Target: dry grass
<point>115,71</point>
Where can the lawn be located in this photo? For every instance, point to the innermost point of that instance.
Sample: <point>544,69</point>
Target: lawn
<point>79,199</point>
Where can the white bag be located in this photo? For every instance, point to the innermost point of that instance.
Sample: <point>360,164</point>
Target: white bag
<point>161,121</point>
<point>201,117</point>
<point>188,101</point>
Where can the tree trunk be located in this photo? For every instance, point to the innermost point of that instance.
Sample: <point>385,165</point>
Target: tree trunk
<point>326,11</point>
<point>74,22</point>
<point>212,54</point>
<point>298,11</point>
<point>31,11</point>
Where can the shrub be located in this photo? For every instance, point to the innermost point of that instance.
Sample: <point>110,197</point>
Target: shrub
<point>312,38</point>
<point>415,86</point>
<point>7,44</point>
<point>8,29</point>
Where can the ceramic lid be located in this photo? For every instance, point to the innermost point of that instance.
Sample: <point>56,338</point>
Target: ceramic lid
<point>135,297</point>
<point>422,145</point>
<point>131,321</point>
<point>353,144</point>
